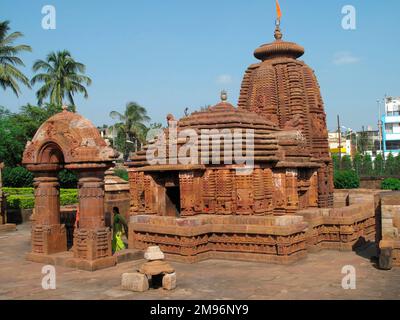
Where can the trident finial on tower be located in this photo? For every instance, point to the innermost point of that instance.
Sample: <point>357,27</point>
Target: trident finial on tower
<point>278,33</point>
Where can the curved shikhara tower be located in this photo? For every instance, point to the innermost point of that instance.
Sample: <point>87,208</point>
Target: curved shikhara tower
<point>284,90</point>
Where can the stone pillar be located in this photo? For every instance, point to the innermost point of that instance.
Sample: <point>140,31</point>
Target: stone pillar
<point>92,240</point>
<point>48,235</point>
<point>291,191</point>
<point>187,193</point>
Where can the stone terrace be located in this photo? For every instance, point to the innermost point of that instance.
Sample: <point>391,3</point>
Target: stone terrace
<point>316,277</point>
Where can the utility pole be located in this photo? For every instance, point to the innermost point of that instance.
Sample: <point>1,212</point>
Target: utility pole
<point>340,143</point>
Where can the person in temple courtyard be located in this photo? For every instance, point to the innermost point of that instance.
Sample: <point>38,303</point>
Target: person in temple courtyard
<point>119,227</point>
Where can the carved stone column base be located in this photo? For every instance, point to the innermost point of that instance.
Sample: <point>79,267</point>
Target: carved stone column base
<point>48,239</point>
<point>91,265</point>
<point>92,244</point>
<point>65,259</point>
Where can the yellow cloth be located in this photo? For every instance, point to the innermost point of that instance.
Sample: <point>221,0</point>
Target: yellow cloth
<point>118,244</point>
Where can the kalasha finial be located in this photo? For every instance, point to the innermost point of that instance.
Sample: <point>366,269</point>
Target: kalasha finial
<point>64,108</point>
<point>278,34</point>
<point>224,96</point>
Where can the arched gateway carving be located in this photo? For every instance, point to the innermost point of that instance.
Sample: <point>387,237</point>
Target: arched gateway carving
<point>67,140</point>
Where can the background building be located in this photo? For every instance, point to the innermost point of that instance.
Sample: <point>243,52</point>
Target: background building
<point>391,126</point>
<point>333,138</point>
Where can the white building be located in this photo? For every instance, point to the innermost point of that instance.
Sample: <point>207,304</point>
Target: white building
<point>391,126</point>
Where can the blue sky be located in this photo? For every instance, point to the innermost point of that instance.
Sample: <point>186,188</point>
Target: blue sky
<point>171,54</point>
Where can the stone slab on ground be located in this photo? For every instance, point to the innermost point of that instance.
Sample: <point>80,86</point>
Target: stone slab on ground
<point>8,227</point>
<point>136,281</point>
<point>169,281</point>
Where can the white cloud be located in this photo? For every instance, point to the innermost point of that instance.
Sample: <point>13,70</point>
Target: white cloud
<point>224,79</point>
<point>345,57</point>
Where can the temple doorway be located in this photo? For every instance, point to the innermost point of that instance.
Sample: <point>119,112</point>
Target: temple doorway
<point>168,194</point>
<point>173,200</point>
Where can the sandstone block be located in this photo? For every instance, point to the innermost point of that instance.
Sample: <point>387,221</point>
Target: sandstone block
<point>135,282</point>
<point>153,268</point>
<point>169,281</point>
<point>385,259</point>
<point>154,253</point>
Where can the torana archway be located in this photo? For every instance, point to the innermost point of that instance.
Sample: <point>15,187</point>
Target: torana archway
<point>68,140</point>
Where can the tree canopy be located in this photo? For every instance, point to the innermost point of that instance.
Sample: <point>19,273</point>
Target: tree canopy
<point>62,77</point>
<point>10,75</point>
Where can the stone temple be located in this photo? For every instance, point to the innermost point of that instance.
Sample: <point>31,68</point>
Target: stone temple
<point>284,207</point>
<point>264,192</point>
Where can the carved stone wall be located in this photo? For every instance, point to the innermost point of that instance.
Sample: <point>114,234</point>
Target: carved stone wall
<point>220,191</point>
<point>286,92</point>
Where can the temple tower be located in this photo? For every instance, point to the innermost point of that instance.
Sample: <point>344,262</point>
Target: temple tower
<point>285,90</point>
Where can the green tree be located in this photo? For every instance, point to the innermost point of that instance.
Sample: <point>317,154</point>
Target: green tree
<point>13,139</point>
<point>17,128</point>
<point>131,123</point>
<point>32,117</point>
<point>336,162</point>
<point>346,163</point>
<point>390,165</point>
<point>397,165</point>
<point>366,169</point>
<point>346,179</point>
<point>10,75</point>
<point>357,163</point>
<point>379,165</point>
<point>61,76</point>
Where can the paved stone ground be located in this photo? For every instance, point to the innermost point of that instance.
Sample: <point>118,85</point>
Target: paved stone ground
<point>317,277</point>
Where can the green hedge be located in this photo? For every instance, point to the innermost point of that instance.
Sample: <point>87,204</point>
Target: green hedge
<point>15,191</point>
<point>122,173</point>
<point>20,202</point>
<point>23,198</point>
<point>346,179</point>
<point>390,184</point>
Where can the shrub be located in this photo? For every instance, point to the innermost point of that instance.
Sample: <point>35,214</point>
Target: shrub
<point>17,191</point>
<point>122,173</point>
<point>17,177</point>
<point>390,184</point>
<point>23,198</point>
<point>379,165</point>
<point>346,163</point>
<point>347,179</point>
<point>67,198</point>
<point>68,179</point>
<point>20,201</point>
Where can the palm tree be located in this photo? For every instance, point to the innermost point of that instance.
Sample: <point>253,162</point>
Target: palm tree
<point>62,77</point>
<point>9,73</point>
<point>131,125</point>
